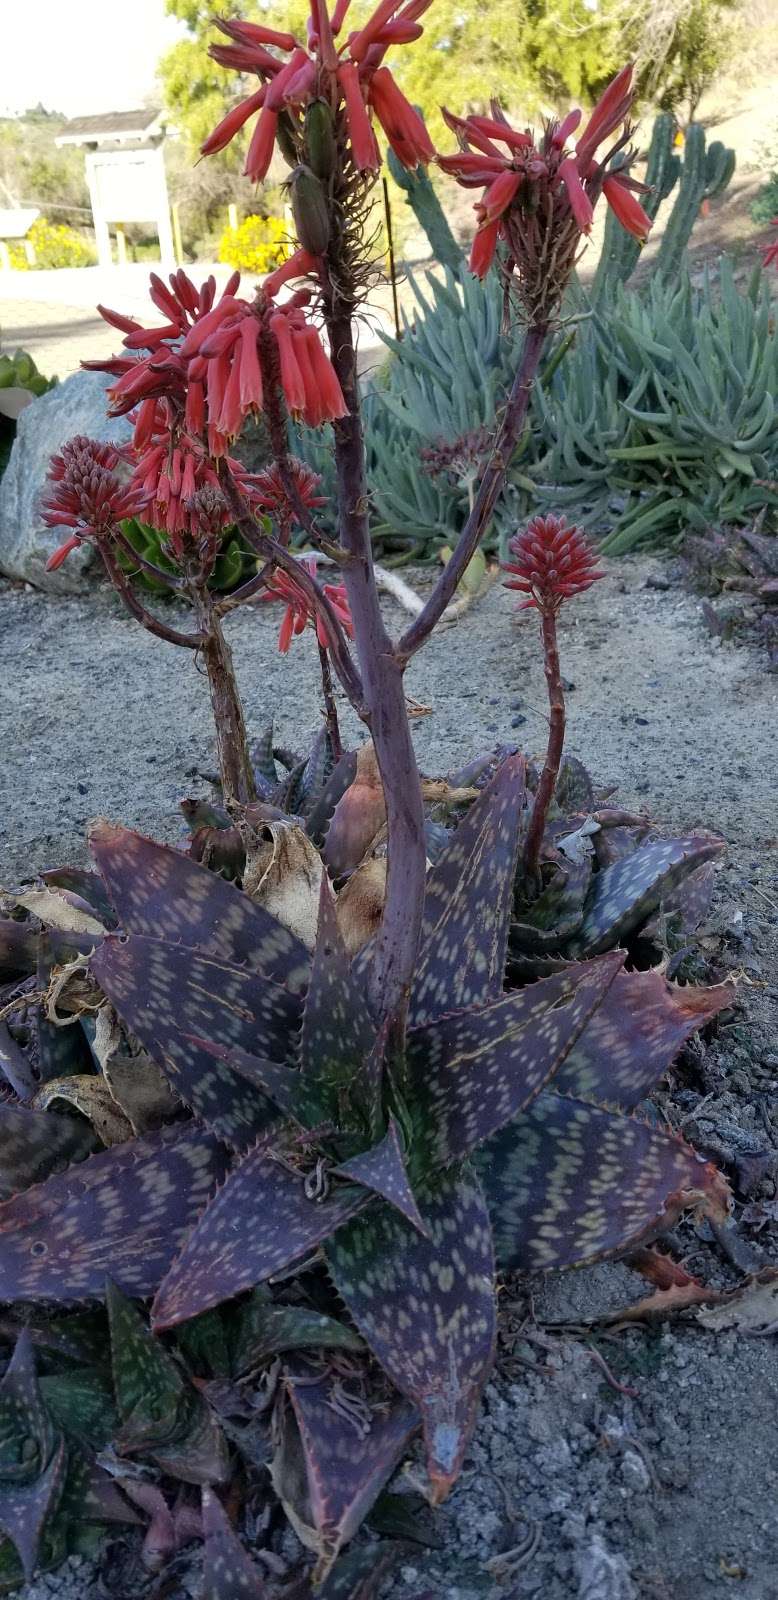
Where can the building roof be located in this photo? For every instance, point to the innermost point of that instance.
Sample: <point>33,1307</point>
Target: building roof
<point>112,127</point>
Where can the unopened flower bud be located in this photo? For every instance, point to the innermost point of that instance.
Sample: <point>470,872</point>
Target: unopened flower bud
<point>320,143</point>
<point>309,209</point>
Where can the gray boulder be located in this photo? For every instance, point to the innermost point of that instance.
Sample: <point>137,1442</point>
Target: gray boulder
<point>77,405</point>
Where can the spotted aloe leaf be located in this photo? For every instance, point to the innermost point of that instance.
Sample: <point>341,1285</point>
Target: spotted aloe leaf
<point>321,810</point>
<point>467,903</point>
<point>686,906</point>
<point>274,1080</point>
<point>265,1329</point>
<point>335,1449</point>
<point>634,1036</point>
<point>474,1071</point>
<point>627,892</point>
<point>337,1033</point>
<point>558,912</point>
<point>260,1222</point>
<point>15,1065</point>
<point>228,1572</point>
<point>125,1212</point>
<point>168,997</point>
<point>33,1459</point>
<point>81,1404</point>
<point>426,1307</point>
<point>382,1169</point>
<point>36,1143</point>
<point>159,892</point>
<point>570,1182</point>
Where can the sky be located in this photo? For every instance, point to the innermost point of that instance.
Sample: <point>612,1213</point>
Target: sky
<point>81,56</point>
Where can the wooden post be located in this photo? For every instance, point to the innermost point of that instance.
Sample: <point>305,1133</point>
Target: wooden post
<point>177,241</point>
<point>121,245</point>
<point>232,215</point>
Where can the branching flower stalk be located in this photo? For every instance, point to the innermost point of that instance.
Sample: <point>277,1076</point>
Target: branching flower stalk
<point>190,383</point>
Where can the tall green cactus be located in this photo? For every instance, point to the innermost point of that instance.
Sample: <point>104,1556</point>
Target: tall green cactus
<point>620,251</point>
<point>428,211</point>
<point>705,173</point>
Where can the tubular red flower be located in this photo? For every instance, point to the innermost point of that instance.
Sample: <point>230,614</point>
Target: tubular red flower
<point>291,376</point>
<point>401,123</point>
<point>250,373</point>
<point>609,113</point>
<point>363,145</point>
<point>260,151</point>
<point>551,563</point>
<point>770,251</point>
<point>483,249</point>
<point>86,495</point>
<point>565,128</point>
<point>300,609</point>
<point>331,394</point>
<point>299,265</point>
<point>580,204</point>
<point>499,195</point>
<point>626,208</point>
<point>226,130</point>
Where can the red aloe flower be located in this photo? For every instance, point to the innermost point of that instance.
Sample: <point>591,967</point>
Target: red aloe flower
<point>300,610</point>
<point>770,251</point>
<point>551,563</point>
<point>533,188</point>
<point>351,77</point>
<point>266,492</point>
<point>86,495</point>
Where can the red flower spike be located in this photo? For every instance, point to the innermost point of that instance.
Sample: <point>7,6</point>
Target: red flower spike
<point>551,563</point>
<point>402,124</point>
<point>86,495</point>
<point>608,114</point>
<point>770,251</point>
<point>299,609</point>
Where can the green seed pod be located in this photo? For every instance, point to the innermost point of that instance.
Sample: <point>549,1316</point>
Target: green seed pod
<point>320,139</point>
<point>285,139</point>
<point>309,209</point>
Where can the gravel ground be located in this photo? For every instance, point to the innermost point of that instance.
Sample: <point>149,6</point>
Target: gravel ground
<point>601,1494</point>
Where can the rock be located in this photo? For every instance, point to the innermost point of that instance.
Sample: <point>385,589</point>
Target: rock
<point>78,405</point>
<point>603,1574</point>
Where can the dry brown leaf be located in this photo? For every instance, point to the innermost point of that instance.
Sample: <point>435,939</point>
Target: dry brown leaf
<point>56,912</point>
<point>360,903</point>
<point>92,1097</point>
<point>136,1083</point>
<point>283,873</point>
<point>751,1308</point>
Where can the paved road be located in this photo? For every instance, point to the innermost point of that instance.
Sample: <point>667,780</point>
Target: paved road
<point>51,313</point>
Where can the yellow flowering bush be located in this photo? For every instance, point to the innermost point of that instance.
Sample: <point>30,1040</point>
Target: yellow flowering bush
<point>258,244</point>
<point>54,245</point>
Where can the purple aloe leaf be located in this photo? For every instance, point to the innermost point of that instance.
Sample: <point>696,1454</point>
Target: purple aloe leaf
<point>617,841</point>
<point>16,1066</point>
<point>34,1460</point>
<point>260,1222</point>
<point>264,1329</point>
<point>571,1182</point>
<point>686,906</point>
<point>35,1143</point>
<point>557,914</point>
<point>126,1211</point>
<point>167,995</point>
<point>426,1307</point>
<point>18,948</point>
<point>162,1417</point>
<point>228,1572</point>
<point>467,903</point>
<point>472,1072</point>
<point>87,885</point>
<point>383,1170</point>
<point>335,1450</point>
<point>625,893</point>
<point>164,894</point>
<point>337,1033</point>
<point>634,1036</point>
<point>282,1084</point>
<point>339,780</point>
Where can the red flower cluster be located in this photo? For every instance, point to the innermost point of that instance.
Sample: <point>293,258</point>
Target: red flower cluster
<point>770,251</point>
<point>552,562</point>
<point>523,177</point>
<point>86,495</point>
<point>300,610</point>
<point>205,359</point>
<point>352,77</point>
<point>266,493</point>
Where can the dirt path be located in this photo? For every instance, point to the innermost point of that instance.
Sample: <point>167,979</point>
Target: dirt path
<point>667,1493</point>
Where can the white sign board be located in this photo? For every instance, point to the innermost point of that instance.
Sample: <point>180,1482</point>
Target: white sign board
<point>129,186</point>
<point>16,223</point>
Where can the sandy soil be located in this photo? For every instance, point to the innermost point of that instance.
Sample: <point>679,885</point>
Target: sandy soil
<point>666,1491</point>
